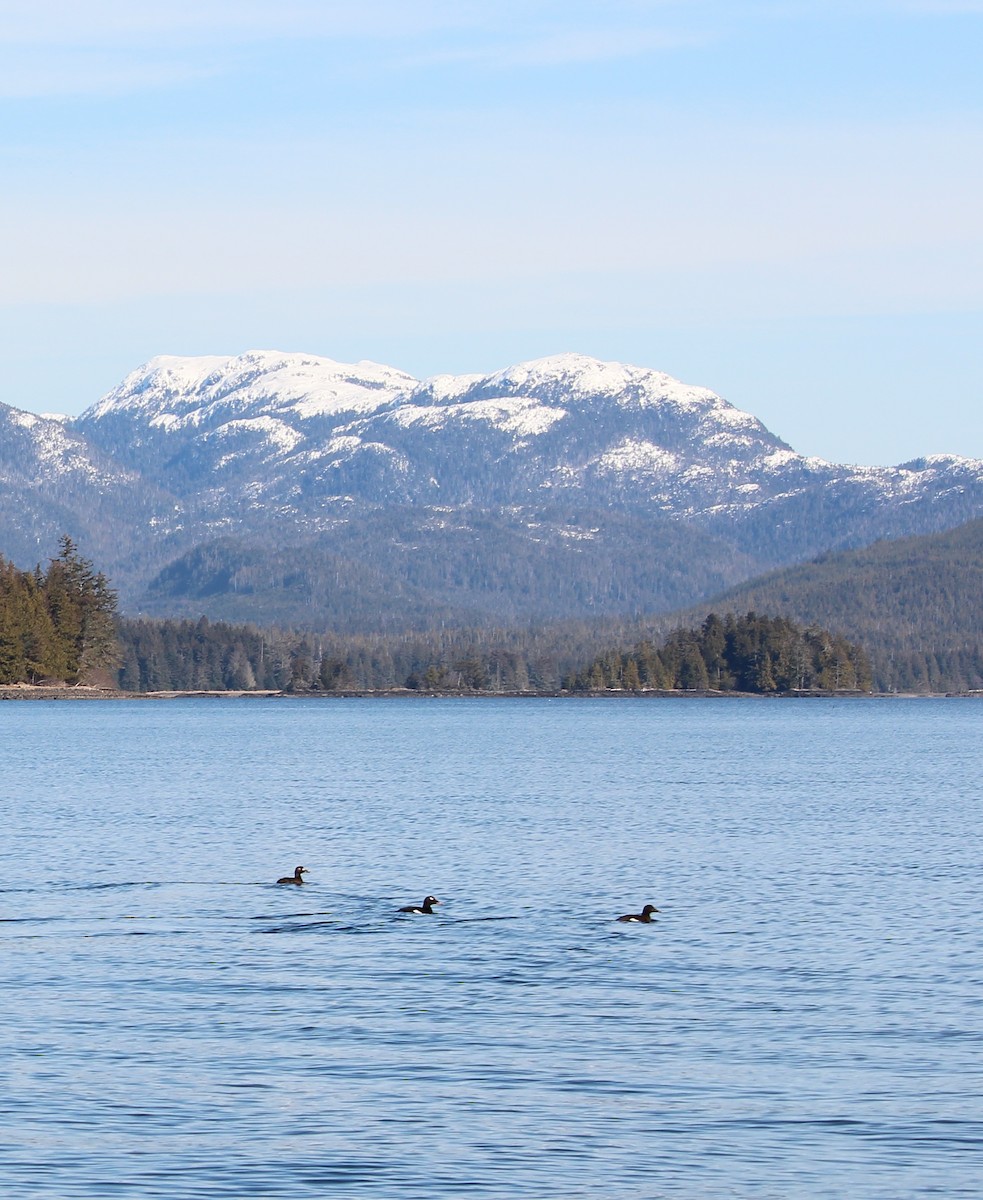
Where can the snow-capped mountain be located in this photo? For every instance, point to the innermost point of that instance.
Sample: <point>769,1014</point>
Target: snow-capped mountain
<point>53,480</point>
<point>312,434</point>
<point>280,450</point>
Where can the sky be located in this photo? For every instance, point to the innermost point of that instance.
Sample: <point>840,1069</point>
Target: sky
<point>781,200</point>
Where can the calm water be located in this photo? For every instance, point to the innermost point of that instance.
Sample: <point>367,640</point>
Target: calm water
<point>805,1020</point>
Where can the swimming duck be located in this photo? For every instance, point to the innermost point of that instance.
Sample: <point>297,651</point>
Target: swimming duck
<point>644,917</point>
<point>296,877</point>
<point>425,907</point>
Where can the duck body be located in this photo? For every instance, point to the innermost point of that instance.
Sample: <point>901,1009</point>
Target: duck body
<point>297,877</point>
<point>642,918</point>
<point>425,908</point>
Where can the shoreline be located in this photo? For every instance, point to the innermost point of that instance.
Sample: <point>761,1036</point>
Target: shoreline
<point>37,692</point>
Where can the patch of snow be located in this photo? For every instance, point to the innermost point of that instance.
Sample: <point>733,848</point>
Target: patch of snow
<point>520,416</point>
<point>166,421</point>
<point>778,459</point>
<point>26,420</point>
<point>632,455</point>
<point>943,462</point>
<point>444,388</point>
<point>724,413</point>
<point>580,377</point>
<point>164,375</point>
<point>342,445</point>
<point>270,429</point>
<point>413,414</point>
<point>730,441</point>
<point>521,419</point>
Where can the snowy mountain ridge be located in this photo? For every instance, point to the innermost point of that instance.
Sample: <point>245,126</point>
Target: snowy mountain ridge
<point>312,386</point>
<point>297,410</point>
<point>560,455</point>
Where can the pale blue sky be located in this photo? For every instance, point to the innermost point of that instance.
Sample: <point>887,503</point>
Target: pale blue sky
<point>779,200</point>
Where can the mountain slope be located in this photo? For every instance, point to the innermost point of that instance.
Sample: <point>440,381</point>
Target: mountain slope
<point>309,438</point>
<point>313,435</point>
<point>408,568</point>
<point>559,487</point>
<point>54,481</point>
<point>916,605</point>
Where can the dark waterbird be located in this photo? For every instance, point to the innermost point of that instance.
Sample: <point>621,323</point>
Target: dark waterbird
<point>644,917</point>
<point>425,907</point>
<point>296,877</point>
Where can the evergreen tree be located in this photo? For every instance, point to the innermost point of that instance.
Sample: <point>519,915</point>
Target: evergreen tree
<point>82,607</point>
<point>631,680</point>
<point>692,673</point>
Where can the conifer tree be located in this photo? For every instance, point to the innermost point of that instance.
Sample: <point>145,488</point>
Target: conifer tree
<point>82,606</point>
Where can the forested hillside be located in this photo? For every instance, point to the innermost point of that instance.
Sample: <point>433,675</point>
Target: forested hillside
<point>396,571</point>
<point>165,655</point>
<point>916,605</point>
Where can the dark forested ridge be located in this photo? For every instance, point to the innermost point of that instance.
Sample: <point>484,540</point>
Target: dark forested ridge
<point>57,624</point>
<point>400,570</point>
<point>915,604</point>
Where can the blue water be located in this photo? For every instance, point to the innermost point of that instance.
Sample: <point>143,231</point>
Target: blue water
<point>804,1020</point>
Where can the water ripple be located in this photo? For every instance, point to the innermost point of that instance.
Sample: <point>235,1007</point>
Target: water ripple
<point>802,1020</point>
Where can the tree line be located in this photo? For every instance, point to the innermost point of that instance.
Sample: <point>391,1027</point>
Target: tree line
<point>58,624</point>
<point>749,653</point>
<point>61,623</point>
<point>185,655</point>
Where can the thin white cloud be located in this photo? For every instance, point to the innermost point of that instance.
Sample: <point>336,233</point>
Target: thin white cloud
<point>61,47</point>
<point>29,76</point>
<point>102,22</point>
<point>945,7</point>
<point>113,47</point>
<point>569,47</point>
<point>107,22</point>
<point>110,47</point>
